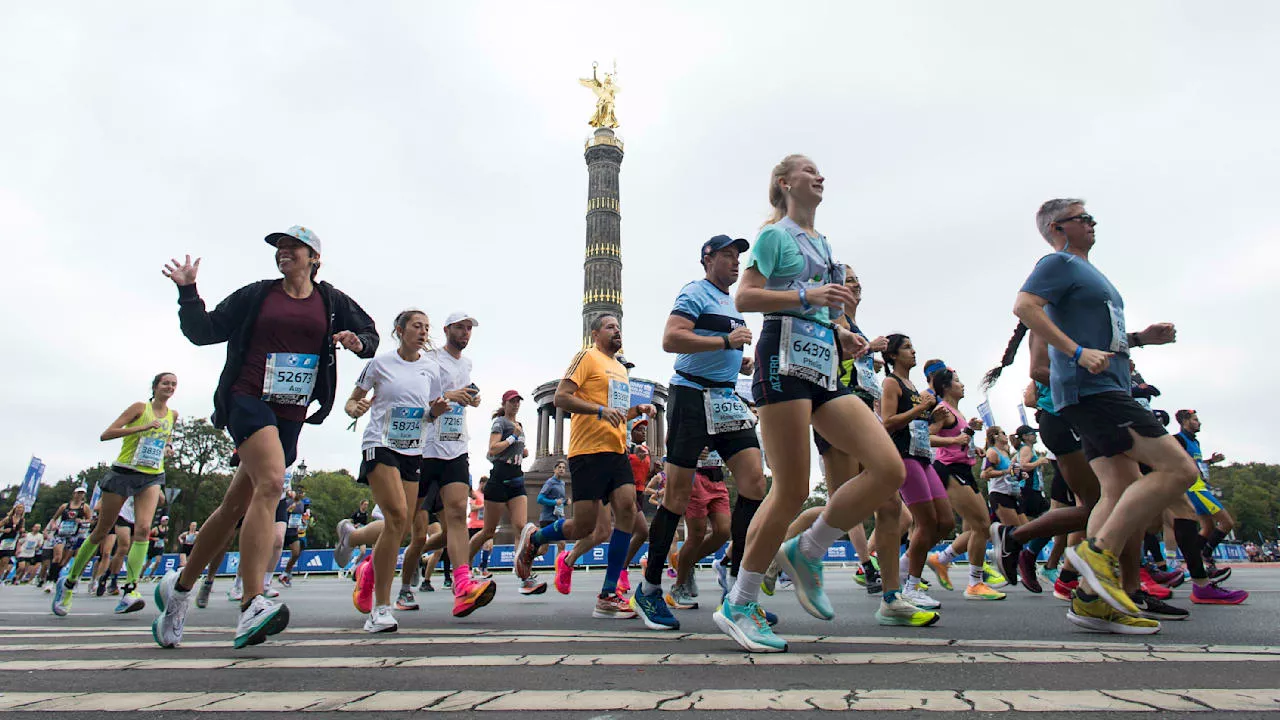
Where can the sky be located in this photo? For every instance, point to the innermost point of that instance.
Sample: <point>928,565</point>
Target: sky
<point>436,149</point>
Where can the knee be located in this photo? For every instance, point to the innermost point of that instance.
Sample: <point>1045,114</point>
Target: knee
<point>395,520</point>
<point>945,526</point>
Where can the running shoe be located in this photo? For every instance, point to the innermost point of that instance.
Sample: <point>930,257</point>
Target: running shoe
<point>859,576</point>
<point>362,594</point>
<point>1151,587</point>
<point>260,619</point>
<point>480,573</point>
<point>613,607</point>
<point>807,576</point>
<point>166,629</point>
<point>1027,572</point>
<point>1168,578</point>
<point>114,589</point>
<point>1096,615</point>
<point>653,609</point>
<point>944,577</point>
<point>564,574</point>
<point>903,613</point>
<point>286,580</point>
<point>982,592</point>
<point>678,598</point>
<point>1005,549</point>
<point>526,551</point>
<point>473,596</point>
<point>404,601</point>
<point>992,576</point>
<point>920,599</point>
<point>270,592</point>
<point>130,602</point>
<point>747,626</point>
<point>381,620</point>
<point>448,581</point>
<point>1213,594</point>
<point>691,587</point>
<point>1154,608</point>
<point>1100,572</point>
<point>1063,590</point>
<point>1048,576</point>
<point>62,595</point>
<point>722,577</point>
<point>875,585</point>
<point>102,586</point>
<point>342,551</point>
<point>532,586</point>
<point>236,593</point>
<point>426,586</point>
<point>624,582</point>
<point>1216,574</point>
<point>203,593</point>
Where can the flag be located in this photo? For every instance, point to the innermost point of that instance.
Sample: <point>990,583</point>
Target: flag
<point>31,483</point>
<point>1022,413</point>
<point>641,392</point>
<point>984,411</point>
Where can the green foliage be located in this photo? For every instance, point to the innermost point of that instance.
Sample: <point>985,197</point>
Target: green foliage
<point>199,470</point>
<point>1251,493</point>
<point>817,497</point>
<point>334,496</point>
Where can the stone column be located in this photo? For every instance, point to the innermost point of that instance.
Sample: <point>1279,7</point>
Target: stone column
<point>539,450</point>
<point>559,448</point>
<point>659,438</point>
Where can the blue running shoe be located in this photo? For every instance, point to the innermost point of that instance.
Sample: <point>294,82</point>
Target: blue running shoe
<point>62,595</point>
<point>653,610</point>
<point>807,576</point>
<point>722,575</point>
<point>746,625</point>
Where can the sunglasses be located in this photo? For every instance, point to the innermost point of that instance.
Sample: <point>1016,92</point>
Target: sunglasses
<point>1084,218</point>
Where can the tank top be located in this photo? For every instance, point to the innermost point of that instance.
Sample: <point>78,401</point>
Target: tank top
<point>818,270</point>
<point>912,440</point>
<point>954,453</point>
<point>1033,481</point>
<point>69,521</point>
<point>1005,483</point>
<point>859,375</point>
<point>144,451</point>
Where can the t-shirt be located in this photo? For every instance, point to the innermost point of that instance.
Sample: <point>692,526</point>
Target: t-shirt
<point>713,314</point>
<point>475,519</point>
<point>552,489</point>
<point>284,325</point>
<point>403,392</point>
<point>601,380</point>
<point>126,511</point>
<point>504,428</point>
<point>447,436</point>
<point>1191,444</point>
<point>360,517</point>
<point>778,257</point>
<point>641,463</point>
<point>1087,307</point>
<point>30,544</point>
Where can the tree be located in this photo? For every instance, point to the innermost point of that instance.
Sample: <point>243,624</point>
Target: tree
<point>817,498</point>
<point>202,453</point>
<point>334,496</point>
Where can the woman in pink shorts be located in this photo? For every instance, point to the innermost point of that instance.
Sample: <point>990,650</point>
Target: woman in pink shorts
<point>708,508</point>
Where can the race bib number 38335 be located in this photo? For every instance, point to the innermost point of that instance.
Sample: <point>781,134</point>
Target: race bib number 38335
<point>807,350</point>
<point>290,378</point>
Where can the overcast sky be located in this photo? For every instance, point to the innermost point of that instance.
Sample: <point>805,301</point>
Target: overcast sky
<point>437,152</point>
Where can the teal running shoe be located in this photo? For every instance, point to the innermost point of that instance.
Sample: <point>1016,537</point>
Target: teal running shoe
<point>747,626</point>
<point>807,576</point>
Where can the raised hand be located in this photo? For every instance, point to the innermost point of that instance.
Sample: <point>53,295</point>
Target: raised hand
<point>182,273</point>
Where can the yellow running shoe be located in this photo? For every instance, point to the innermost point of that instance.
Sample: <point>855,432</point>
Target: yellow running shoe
<point>982,591</point>
<point>1094,614</point>
<point>903,613</point>
<point>1100,570</point>
<point>992,577</point>
<point>944,577</point>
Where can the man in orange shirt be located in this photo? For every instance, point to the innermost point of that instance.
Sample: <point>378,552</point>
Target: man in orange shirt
<point>597,390</point>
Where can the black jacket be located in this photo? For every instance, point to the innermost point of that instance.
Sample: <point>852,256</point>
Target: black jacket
<point>233,320</point>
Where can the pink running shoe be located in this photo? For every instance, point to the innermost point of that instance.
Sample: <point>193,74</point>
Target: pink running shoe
<point>362,596</point>
<point>564,574</point>
<point>624,582</point>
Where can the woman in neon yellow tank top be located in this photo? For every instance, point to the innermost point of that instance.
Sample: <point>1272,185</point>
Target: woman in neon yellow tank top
<point>138,473</point>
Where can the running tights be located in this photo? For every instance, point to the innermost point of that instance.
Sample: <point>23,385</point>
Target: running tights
<point>662,532</point>
<point>1187,533</point>
<point>1151,544</point>
<point>739,522</point>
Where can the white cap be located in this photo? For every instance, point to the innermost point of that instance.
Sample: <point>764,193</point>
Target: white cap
<point>82,489</point>
<point>458,316</point>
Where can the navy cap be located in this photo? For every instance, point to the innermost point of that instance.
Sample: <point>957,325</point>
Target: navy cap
<point>721,242</point>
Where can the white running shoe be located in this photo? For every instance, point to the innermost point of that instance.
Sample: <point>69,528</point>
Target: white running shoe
<point>342,551</point>
<point>920,599</point>
<point>166,630</point>
<point>692,586</point>
<point>380,620</point>
<point>260,619</point>
<point>270,592</point>
<point>236,593</point>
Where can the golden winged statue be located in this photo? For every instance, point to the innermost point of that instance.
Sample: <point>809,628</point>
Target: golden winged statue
<point>605,91</point>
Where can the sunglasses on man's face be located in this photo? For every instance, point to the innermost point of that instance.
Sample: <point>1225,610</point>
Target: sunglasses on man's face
<point>1084,218</point>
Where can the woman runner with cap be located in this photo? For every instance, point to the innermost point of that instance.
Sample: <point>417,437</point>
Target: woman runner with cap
<point>67,519</point>
<point>505,488</point>
<point>281,337</point>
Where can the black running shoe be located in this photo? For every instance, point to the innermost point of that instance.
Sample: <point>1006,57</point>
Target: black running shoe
<point>1006,550</point>
<point>1218,574</point>
<point>426,586</point>
<point>1154,609</point>
<point>102,586</point>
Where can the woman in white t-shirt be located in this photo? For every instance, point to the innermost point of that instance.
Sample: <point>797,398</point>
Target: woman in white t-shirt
<point>407,397</point>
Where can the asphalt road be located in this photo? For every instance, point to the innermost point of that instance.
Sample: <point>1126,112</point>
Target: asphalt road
<point>545,654</point>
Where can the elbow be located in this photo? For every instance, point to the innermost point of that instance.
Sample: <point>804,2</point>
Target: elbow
<point>561,400</point>
<point>105,436</point>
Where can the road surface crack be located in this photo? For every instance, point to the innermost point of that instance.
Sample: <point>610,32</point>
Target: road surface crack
<point>1104,693</point>
<point>960,696</point>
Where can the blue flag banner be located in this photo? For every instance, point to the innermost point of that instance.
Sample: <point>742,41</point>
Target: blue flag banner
<point>97,495</point>
<point>31,483</point>
<point>641,392</point>
<point>984,411</point>
<point>1022,413</point>
<point>743,388</point>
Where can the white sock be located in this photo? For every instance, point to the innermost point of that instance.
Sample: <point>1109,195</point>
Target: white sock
<point>947,556</point>
<point>975,575</point>
<point>913,582</point>
<point>904,566</point>
<point>747,587</point>
<point>266,580</point>
<point>820,536</point>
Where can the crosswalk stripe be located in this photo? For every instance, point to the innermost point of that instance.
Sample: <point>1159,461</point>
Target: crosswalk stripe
<point>629,659</point>
<point>746,699</point>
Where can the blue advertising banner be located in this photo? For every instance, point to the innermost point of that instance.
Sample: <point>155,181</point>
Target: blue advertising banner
<point>30,483</point>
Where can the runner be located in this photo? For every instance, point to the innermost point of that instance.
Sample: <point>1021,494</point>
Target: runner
<point>45,558</point>
<point>25,556</point>
<point>907,416</point>
<point>707,521</point>
<point>186,542</point>
<point>407,399</point>
<point>1215,521</point>
<point>136,478</point>
<point>551,499</point>
<point>281,340</point>
<point>596,389</point>
<point>642,468</point>
<point>1062,301</point>
<point>1031,503</point>
<point>505,488</point>
<point>155,551</point>
<point>68,519</point>
<point>708,334</point>
<point>294,526</point>
<point>10,530</point>
<point>952,435</point>
<point>793,280</point>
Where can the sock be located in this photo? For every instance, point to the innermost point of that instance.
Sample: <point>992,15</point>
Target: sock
<point>1068,575</point>
<point>83,556</point>
<point>1215,537</point>
<point>869,569</point>
<point>1151,545</point>
<point>549,534</point>
<point>947,556</point>
<point>1037,546</point>
<point>135,562</point>
<point>649,588</point>
<point>662,531</point>
<point>619,541</point>
<point>904,566</point>
<point>266,579</point>
<point>912,582</point>
<point>461,575</point>
<point>890,596</point>
<point>1187,533</point>
<point>746,588</point>
<point>820,536</point>
<point>448,564</point>
<point>975,575</point>
<point>739,523</point>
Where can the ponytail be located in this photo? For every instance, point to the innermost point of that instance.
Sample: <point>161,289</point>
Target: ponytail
<point>1010,352</point>
<point>777,198</point>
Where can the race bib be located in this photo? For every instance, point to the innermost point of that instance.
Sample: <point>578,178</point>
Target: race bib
<point>1119,339</point>
<point>919,446</point>
<point>1144,402</point>
<point>865,367</point>
<point>67,528</point>
<point>807,351</point>
<point>295,521</point>
<point>157,543</point>
<point>619,394</point>
<point>289,378</point>
<point>726,412</point>
<point>453,423</point>
<point>403,430</point>
<point>712,460</point>
<point>149,453</point>
<point>8,544</point>
<point>1204,470</point>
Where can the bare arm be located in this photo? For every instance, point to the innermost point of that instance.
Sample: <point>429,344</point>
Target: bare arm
<point>990,470</point>
<point>890,394</point>
<point>753,297</point>
<point>1039,359</point>
<point>678,337</point>
<point>567,401</point>
<point>1030,310</point>
<point>117,428</point>
<point>1030,395</point>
